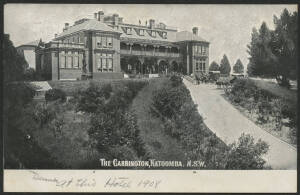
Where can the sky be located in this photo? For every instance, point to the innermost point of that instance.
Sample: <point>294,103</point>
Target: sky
<point>227,27</point>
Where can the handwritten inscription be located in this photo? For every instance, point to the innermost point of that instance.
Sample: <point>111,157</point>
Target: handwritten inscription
<point>90,181</point>
<point>80,182</point>
<point>125,182</point>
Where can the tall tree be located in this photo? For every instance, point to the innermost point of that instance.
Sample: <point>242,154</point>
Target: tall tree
<point>261,57</point>
<point>14,65</point>
<point>253,52</point>
<point>238,67</point>
<point>284,46</point>
<point>225,67</point>
<point>214,66</point>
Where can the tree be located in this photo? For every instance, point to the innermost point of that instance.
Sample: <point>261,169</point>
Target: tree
<point>245,154</point>
<point>14,65</point>
<point>238,67</point>
<point>253,52</point>
<point>274,53</point>
<point>214,66</point>
<point>225,65</point>
<point>284,46</point>
<point>261,57</point>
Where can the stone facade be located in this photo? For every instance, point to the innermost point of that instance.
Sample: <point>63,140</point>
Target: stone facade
<point>107,47</point>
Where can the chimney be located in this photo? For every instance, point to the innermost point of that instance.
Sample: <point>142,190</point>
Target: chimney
<point>55,35</point>
<point>66,27</point>
<point>116,19</point>
<point>152,23</point>
<point>96,15</point>
<point>100,16</point>
<point>195,30</point>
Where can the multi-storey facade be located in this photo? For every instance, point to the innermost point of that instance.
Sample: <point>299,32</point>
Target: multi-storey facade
<point>107,47</point>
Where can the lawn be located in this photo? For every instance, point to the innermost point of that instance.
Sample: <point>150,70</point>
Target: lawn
<point>277,90</point>
<point>159,145</point>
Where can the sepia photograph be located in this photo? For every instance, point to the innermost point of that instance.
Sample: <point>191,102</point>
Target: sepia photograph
<point>159,90</point>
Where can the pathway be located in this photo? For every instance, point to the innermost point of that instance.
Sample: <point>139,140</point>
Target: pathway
<point>228,124</point>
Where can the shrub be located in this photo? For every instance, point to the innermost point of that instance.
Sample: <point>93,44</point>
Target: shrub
<point>112,126</point>
<point>168,100</point>
<point>245,154</point>
<point>176,80</point>
<point>92,98</point>
<point>115,129</point>
<point>55,94</point>
<point>44,113</point>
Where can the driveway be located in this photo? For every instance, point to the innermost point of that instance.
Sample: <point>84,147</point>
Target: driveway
<point>228,124</point>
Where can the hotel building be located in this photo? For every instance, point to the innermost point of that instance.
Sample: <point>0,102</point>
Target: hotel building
<point>108,47</point>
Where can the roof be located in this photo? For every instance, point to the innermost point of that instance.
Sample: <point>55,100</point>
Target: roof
<point>32,43</point>
<point>91,24</point>
<point>188,36</point>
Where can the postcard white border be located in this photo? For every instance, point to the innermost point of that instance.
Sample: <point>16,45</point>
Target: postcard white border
<point>170,180</point>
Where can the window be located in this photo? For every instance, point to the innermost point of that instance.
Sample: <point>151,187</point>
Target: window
<point>164,35</point>
<point>196,49</point>
<point>128,31</point>
<point>204,50</point>
<point>75,62</point>
<point>105,62</point>
<point>80,60</point>
<point>200,65</point>
<point>104,41</point>
<point>142,32</point>
<point>153,33</point>
<point>98,40</point>
<point>63,62</point>
<point>109,41</point>
<point>197,66</point>
<point>69,62</point>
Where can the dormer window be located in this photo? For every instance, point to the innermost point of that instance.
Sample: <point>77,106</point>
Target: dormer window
<point>164,35</point>
<point>142,32</point>
<point>128,31</point>
<point>153,33</point>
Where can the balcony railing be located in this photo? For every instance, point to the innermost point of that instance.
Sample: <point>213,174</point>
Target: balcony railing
<point>149,53</point>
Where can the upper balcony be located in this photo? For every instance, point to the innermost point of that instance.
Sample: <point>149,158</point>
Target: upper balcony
<point>149,50</point>
<point>149,53</point>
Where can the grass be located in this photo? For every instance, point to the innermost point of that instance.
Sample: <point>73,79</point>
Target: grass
<point>277,90</point>
<point>158,145</point>
<point>71,147</point>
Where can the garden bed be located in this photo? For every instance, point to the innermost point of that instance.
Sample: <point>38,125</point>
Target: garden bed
<point>272,110</point>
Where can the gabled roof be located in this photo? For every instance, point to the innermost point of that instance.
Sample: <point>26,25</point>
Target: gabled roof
<point>188,36</point>
<point>91,24</point>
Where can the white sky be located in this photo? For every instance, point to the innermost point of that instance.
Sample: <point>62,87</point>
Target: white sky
<point>227,27</point>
